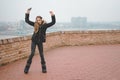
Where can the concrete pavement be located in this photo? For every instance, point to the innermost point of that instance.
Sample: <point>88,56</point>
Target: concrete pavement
<point>95,62</point>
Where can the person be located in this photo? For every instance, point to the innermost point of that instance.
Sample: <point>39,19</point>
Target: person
<point>38,37</point>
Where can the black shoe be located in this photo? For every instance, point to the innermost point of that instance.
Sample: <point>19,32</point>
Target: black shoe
<point>26,68</point>
<point>25,71</point>
<point>44,69</point>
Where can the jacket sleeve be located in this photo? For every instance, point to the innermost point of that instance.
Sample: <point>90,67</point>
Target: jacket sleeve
<point>52,22</point>
<point>27,20</point>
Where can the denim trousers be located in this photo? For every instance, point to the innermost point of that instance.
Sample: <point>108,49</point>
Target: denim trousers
<point>40,48</point>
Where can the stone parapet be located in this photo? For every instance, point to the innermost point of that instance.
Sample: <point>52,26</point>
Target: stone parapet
<point>13,49</point>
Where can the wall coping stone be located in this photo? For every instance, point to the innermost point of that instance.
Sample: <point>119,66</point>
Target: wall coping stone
<point>28,37</point>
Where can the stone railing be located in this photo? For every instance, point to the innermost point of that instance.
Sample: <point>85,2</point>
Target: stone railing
<point>17,48</point>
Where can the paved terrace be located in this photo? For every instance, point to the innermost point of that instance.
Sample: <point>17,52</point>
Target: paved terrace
<point>96,62</point>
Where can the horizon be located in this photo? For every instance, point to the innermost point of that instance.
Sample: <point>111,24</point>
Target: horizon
<point>69,21</point>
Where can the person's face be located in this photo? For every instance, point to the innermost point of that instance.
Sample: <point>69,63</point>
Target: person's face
<point>39,20</point>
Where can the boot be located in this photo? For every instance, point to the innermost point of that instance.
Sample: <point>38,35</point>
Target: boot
<point>26,68</point>
<point>44,68</point>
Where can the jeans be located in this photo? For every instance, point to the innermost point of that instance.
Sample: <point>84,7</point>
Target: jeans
<point>40,48</point>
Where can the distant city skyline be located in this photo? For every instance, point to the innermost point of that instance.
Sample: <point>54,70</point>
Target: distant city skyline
<point>77,24</point>
<point>93,10</point>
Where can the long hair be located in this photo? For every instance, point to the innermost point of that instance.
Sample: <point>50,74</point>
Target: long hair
<point>37,25</point>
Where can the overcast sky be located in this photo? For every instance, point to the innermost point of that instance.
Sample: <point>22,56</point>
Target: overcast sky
<point>94,10</point>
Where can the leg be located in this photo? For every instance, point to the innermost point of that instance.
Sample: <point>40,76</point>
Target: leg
<point>29,61</point>
<point>40,48</point>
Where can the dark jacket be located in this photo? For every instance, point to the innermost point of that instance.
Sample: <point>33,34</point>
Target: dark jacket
<point>41,34</point>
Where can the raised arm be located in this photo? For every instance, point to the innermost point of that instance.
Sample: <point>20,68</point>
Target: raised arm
<point>53,20</point>
<point>27,17</point>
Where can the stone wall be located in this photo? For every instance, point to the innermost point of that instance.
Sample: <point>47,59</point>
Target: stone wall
<point>17,48</point>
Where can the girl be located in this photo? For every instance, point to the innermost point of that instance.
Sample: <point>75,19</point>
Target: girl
<point>38,37</point>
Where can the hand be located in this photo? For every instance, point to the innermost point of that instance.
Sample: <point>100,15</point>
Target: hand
<point>28,10</point>
<point>52,14</point>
